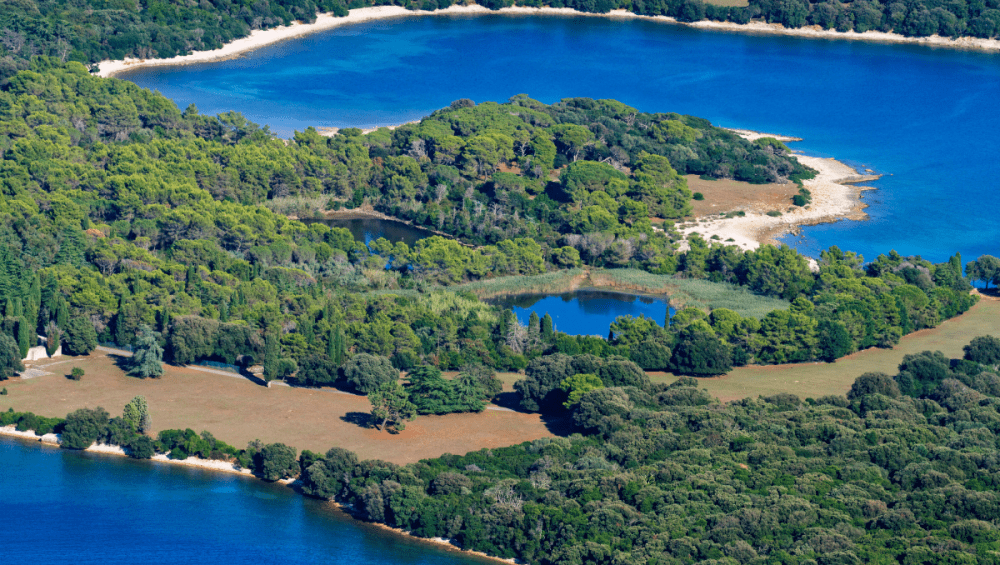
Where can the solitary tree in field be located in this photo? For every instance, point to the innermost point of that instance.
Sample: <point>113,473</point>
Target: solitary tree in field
<point>147,361</point>
<point>391,406</point>
<point>136,412</point>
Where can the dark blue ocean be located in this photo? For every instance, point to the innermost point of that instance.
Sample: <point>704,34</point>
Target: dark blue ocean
<point>63,507</point>
<point>927,118</point>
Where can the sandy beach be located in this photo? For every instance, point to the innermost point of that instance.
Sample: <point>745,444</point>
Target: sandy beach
<point>261,38</point>
<point>835,196</point>
<point>53,440</point>
<point>224,467</point>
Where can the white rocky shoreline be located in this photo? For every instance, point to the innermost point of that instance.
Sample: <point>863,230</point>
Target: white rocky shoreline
<point>261,38</point>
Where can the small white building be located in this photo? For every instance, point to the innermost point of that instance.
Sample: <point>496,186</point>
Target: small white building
<point>38,352</point>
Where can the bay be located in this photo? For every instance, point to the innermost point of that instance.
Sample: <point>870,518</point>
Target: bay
<point>64,507</point>
<point>925,117</point>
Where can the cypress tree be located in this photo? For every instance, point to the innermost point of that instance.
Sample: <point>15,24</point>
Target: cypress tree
<point>306,329</point>
<point>224,311</point>
<point>24,333</point>
<point>61,314</point>
<point>547,329</point>
<point>534,324</point>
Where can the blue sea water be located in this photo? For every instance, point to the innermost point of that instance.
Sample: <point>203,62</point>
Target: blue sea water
<point>586,312</point>
<point>925,117</point>
<point>63,507</point>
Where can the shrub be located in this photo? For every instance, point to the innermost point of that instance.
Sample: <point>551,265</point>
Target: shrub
<point>79,338</point>
<point>984,350</point>
<point>651,356</point>
<point>10,357</point>
<point>698,196</point>
<point>76,373</point>
<point>366,373</point>
<point>277,461</point>
<point>83,427</point>
<point>3,392</point>
<point>141,447</point>
<point>873,383</point>
<point>702,355</point>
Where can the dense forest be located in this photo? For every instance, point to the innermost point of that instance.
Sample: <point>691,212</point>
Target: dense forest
<point>92,31</point>
<point>127,211</point>
<point>903,469</point>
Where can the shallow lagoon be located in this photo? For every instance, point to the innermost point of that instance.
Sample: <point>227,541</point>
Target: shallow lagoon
<point>923,116</point>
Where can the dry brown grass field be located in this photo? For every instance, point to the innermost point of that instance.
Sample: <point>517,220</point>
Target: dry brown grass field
<point>818,379</point>
<point>237,410</point>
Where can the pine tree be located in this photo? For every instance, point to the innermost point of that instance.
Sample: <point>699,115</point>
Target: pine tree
<point>147,361</point>
<point>391,406</point>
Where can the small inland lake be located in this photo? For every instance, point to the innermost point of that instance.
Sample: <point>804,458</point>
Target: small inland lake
<point>586,311</point>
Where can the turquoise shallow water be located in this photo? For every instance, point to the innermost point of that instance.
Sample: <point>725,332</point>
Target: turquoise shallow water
<point>76,508</point>
<point>925,117</point>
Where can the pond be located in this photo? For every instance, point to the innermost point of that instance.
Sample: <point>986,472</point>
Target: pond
<point>370,229</point>
<point>586,311</point>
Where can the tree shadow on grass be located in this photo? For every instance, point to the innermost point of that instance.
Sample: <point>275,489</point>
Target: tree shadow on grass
<point>559,423</point>
<point>360,419</point>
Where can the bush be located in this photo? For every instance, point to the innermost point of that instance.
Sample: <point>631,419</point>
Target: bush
<point>79,337</point>
<point>10,357</point>
<point>984,350</point>
<point>3,392</point>
<point>702,355</point>
<point>873,383</point>
<point>141,447</point>
<point>698,196</point>
<point>317,370</point>
<point>366,373</point>
<point>622,372</point>
<point>540,389</point>
<point>83,427</point>
<point>75,374</point>
<point>651,356</point>
<point>276,461</point>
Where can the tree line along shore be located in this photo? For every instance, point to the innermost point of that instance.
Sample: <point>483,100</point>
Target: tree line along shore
<point>91,32</point>
<point>900,469</point>
<point>139,224</point>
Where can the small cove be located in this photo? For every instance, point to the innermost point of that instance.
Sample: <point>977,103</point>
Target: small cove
<point>586,311</point>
